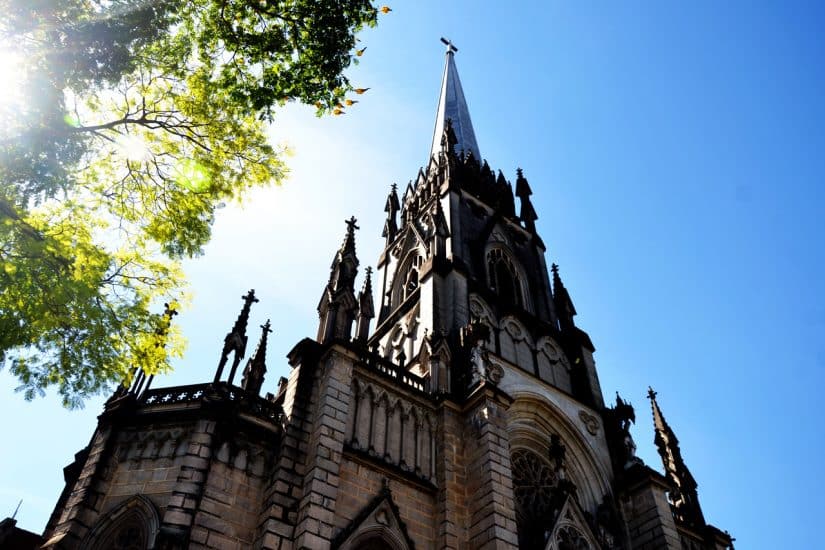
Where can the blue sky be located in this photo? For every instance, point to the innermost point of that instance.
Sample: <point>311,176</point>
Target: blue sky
<point>676,156</point>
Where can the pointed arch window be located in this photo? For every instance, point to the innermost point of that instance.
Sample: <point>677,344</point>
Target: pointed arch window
<point>503,278</point>
<point>406,279</point>
<point>131,526</point>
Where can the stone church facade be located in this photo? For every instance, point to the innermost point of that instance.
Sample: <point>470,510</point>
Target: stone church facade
<point>462,409</point>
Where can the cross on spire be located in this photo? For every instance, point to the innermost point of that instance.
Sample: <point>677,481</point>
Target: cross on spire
<point>449,43</point>
<point>248,299</point>
<point>351,227</point>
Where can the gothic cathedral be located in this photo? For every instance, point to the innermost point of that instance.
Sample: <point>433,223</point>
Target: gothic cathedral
<point>461,409</point>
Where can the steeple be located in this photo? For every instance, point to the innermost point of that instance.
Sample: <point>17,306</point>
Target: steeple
<point>684,497</point>
<point>458,248</point>
<point>338,305</point>
<point>453,106</point>
<point>253,374</point>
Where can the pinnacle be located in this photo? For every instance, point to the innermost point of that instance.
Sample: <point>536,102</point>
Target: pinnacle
<point>368,281</point>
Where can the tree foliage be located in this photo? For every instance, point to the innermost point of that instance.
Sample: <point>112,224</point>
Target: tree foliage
<point>133,121</point>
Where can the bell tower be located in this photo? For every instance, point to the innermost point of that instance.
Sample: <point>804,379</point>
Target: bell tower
<point>457,252</point>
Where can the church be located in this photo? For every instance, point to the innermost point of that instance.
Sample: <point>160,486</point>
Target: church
<point>448,400</point>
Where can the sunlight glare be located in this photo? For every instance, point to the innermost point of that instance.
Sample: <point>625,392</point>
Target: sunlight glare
<point>12,71</point>
<point>133,147</point>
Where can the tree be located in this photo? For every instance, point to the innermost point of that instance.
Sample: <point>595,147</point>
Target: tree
<point>138,118</point>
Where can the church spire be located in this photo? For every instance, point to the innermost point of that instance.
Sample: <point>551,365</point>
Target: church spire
<point>452,106</point>
<point>338,305</point>
<point>253,374</point>
<point>684,497</point>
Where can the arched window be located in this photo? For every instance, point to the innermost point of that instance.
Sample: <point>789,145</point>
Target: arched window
<point>535,485</point>
<point>568,537</point>
<point>130,536</point>
<point>131,526</point>
<point>406,279</point>
<point>503,278</point>
<point>378,528</point>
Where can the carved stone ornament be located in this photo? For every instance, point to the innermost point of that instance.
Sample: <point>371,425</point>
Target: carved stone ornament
<point>590,422</point>
<point>482,368</point>
<point>569,537</point>
<point>497,237</point>
<point>398,248</point>
<point>494,373</point>
<point>514,329</point>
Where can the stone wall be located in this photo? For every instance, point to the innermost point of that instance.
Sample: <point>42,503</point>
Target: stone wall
<point>227,515</point>
<point>451,478</point>
<point>148,462</point>
<point>361,483</point>
<point>489,488</point>
<point>204,479</point>
<point>646,510</point>
<point>391,425</point>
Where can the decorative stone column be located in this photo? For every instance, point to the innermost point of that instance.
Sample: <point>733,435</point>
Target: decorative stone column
<point>316,511</point>
<point>489,484</point>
